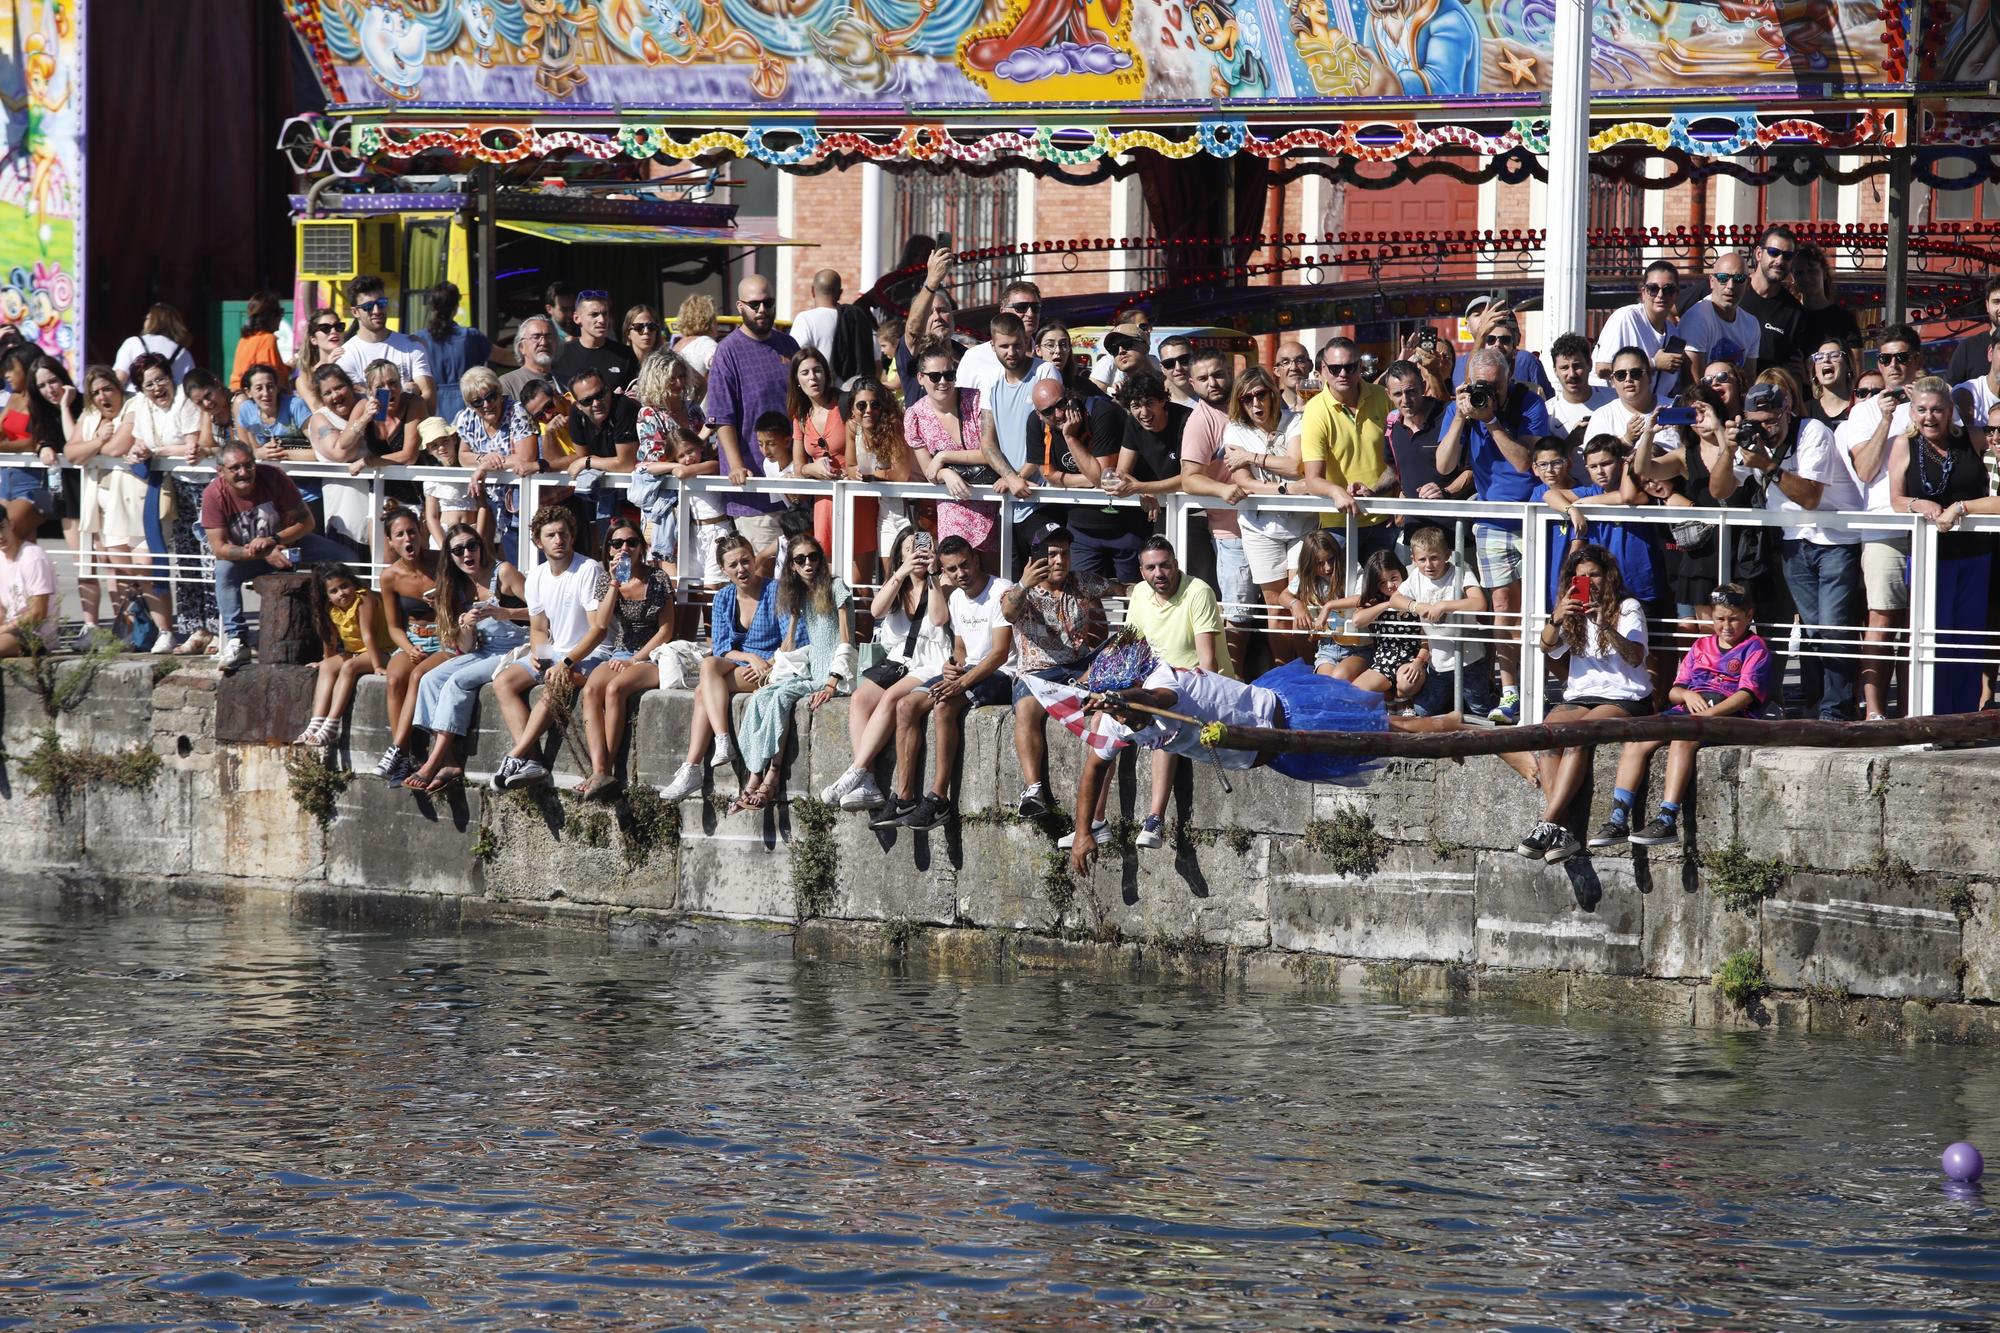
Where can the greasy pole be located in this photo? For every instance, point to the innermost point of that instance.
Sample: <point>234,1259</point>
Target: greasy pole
<point>1566,257</point>
<point>1947,728</point>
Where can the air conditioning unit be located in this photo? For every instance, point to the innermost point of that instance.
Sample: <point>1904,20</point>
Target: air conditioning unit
<point>328,249</point>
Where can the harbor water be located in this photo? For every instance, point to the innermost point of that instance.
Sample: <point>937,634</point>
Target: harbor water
<point>218,1122</point>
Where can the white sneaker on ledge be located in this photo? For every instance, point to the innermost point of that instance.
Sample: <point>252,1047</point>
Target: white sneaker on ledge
<point>163,645</point>
<point>723,752</point>
<point>686,783</point>
<point>235,653</point>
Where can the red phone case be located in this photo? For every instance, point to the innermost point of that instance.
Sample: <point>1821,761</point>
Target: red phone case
<point>1579,588</point>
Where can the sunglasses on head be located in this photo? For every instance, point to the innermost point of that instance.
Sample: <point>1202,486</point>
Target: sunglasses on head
<point>463,549</point>
<point>594,294</point>
<point>1729,279</point>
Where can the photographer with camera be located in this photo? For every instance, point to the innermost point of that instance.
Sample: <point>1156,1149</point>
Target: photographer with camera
<point>1873,424</point>
<point>1798,466</point>
<point>1492,420</point>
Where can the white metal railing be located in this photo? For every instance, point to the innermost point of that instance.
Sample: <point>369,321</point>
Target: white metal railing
<point>1920,647</point>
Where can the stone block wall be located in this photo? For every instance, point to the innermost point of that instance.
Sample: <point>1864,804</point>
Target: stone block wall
<point>1884,916</point>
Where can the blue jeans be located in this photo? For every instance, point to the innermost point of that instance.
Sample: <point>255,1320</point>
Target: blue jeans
<point>1825,583</point>
<point>231,575</point>
<point>446,694</point>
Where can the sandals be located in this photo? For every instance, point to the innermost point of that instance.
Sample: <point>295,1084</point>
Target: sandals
<point>753,797</point>
<point>441,780</point>
<point>601,787</point>
<point>194,644</point>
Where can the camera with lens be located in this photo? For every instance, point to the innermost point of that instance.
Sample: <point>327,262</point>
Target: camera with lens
<point>1479,397</point>
<point>1749,434</point>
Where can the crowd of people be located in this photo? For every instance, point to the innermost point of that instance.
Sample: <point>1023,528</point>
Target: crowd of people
<point>1759,395</point>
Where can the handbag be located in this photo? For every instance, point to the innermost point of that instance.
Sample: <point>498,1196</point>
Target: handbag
<point>887,673</point>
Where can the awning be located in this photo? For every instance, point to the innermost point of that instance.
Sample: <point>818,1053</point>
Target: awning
<point>592,233</point>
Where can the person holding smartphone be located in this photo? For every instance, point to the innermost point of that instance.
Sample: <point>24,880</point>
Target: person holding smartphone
<point>1601,631</point>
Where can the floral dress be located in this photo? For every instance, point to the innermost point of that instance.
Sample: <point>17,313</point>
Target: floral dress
<point>767,715</point>
<point>977,520</point>
<point>636,620</point>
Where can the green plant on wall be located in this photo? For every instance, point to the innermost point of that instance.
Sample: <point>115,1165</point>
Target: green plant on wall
<point>59,772</point>
<point>647,825</point>
<point>815,858</point>
<point>1058,884</point>
<point>1348,842</point>
<point>60,689</point>
<point>315,784</point>
<point>1741,880</point>
<point>1740,980</point>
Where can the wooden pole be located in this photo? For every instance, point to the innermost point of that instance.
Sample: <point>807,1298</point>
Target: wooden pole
<point>1801,734</point>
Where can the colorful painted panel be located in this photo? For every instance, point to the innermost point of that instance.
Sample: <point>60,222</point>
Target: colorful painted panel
<point>847,54</point>
<point>41,177</point>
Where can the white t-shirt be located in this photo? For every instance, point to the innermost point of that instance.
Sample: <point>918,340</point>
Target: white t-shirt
<point>1104,369</point>
<point>973,620</point>
<point>1444,636</point>
<point>1717,339</point>
<point>814,328</point>
<point>980,369</point>
<point>1614,417</point>
<point>566,600</point>
<point>931,648</point>
<point>1982,396</point>
<point>1277,525</point>
<point>1571,415</point>
<point>181,361</point>
<point>1600,673</point>
<point>1210,697</point>
<point>404,351</point>
<point>1627,327</point>
<point>1854,432</point>
<point>32,574</point>
<point>1818,459</point>
<point>697,352</point>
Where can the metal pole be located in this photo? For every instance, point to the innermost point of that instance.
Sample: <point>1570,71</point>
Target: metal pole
<point>487,303</point>
<point>1896,259</point>
<point>1565,292</point>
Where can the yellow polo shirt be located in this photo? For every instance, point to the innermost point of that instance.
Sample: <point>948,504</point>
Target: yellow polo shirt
<point>1171,625</point>
<point>1352,442</point>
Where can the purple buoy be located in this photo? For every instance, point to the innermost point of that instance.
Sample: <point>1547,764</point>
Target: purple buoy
<point>1963,1163</point>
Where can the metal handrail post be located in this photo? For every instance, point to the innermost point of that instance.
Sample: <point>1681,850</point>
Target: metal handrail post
<point>1923,621</point>
<point>1532,673</point>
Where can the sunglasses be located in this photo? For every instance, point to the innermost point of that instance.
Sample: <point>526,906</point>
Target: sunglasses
<point>1023,307</point>
<point>464,549</point>
<point>618,543</point>
<point>1341,367</point>
<point>1496,339</point>
<point>1895,358</point>
<point>1257,396</point>
<point>328,328</point>
<point>1716,381</point>
<point>1171,362</point>
<point>480,400</point>
<point>1871,392</point>
<point>594,294</point>
<point>938,376</point>
<point>643,326</point>
<point>867,405</point>
<point>1729,279</point>
<point>371,306</point>
<point>1060,405</point>
<point>1627,375</point>
<point>808,558</point>
<point>1662,288</point>
<point>756,305</point>
<point>1782,256</point>
<point>594,399</point>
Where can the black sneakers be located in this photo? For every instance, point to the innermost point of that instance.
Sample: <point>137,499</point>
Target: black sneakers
<point>1659,832</point>
<point>928,813</point>
<point>1611,833</point>
<point>891,813</point>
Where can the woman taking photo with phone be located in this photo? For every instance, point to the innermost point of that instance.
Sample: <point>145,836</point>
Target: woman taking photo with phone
<point>1603,634</point>
<point>638,622</point>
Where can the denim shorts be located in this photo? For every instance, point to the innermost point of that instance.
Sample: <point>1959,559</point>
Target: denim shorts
<point>1333,654</point>
<point>1241,599</point>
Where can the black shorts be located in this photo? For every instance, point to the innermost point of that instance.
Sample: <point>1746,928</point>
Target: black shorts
<point>1630,707</point>
<point>997,688</point>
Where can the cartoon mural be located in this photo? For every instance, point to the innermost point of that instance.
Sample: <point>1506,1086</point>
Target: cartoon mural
<point>844,54</point>
<point>41,176</point>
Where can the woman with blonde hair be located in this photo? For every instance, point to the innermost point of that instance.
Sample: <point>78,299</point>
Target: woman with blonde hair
<point>694,332</point>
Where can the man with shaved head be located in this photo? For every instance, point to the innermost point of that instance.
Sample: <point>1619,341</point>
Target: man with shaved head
<point>1295,368</point>
<point>749,377</point>
<point>814,327</point>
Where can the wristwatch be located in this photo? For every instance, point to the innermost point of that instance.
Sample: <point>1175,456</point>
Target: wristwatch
<point>568,665</point>
<point>1284,487</point>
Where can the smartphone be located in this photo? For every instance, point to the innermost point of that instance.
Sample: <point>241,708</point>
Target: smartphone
<point>924,542</point>
<point>1674,416</point>
<point>383,397</point>
<point>1674,345</point>
<point>1579,588</point>
<point>1427,338</point>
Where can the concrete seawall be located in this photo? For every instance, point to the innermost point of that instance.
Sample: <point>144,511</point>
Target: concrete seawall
<point>1866,901</point>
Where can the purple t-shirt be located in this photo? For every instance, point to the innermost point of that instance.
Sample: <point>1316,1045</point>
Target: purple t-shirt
<point>746,379</point>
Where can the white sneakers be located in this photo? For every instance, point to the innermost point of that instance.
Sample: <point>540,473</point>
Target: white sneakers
<point>163,645</point>
<point>235,653</point>
<point>686,783</point>
<point>1098,828</point>
<point>723,752</point>
<point>854,790</point>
